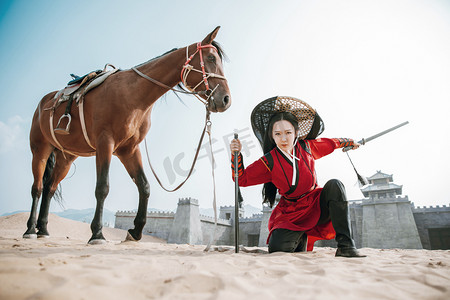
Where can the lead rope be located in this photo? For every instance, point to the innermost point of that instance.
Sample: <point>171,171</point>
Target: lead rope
<point>212,238</point>
<point>207,121</point>
<point>207,129</point>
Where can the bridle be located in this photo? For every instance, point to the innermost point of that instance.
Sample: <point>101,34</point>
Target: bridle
<point>187,68</point>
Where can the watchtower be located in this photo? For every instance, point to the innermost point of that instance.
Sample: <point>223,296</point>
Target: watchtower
<point>388,220</point>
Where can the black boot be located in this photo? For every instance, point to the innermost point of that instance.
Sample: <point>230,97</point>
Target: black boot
<point>341,224</point>
<point>334,195</point>
<point>348,252</point>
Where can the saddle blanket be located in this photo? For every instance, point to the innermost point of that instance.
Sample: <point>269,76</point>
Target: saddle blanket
<point>76,89</point>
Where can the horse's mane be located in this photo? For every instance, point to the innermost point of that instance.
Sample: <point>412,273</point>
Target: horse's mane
<point>159,56</point>
<point>220,51</point>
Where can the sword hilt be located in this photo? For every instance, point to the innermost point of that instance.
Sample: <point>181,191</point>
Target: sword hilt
<point>361,142</point>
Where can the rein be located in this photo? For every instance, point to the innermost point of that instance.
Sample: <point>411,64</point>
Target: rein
<point>206,128</point>
<point>162,84</point>
<point>187,68</point>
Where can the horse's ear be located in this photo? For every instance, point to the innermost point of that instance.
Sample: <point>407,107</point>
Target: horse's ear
<point>210,37</point>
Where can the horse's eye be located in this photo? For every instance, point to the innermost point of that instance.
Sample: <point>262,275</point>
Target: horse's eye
<point>211,58</point>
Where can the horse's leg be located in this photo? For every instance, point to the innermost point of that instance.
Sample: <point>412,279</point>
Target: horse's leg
<point>38,166</point>
<point>133,163</point>
<point>103,161</point>
<point>41,166</point>
<point>60,170</point>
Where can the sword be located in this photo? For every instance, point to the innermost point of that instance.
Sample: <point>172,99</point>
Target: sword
<point>236,201</point>
<point>365,140</point>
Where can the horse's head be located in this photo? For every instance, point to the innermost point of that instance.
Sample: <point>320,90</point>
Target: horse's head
<point>208,80</point>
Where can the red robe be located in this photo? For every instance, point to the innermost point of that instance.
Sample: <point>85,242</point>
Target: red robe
<point>275,167</point>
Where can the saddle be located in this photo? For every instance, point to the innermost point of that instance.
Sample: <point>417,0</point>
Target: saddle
<point>87,77</point>
<point>75,90</point>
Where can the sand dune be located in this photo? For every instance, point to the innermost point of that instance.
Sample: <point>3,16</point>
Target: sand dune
<point>14,226</point>
<point>65,267</point>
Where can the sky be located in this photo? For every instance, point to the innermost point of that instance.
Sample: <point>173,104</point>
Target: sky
<point>365,66</point>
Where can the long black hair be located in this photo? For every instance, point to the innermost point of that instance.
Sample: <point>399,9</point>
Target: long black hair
<point>269,191</point>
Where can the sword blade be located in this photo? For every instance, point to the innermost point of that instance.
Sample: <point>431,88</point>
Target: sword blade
<point>365,140</point>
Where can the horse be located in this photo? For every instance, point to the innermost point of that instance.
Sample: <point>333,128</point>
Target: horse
<point>117,117</point>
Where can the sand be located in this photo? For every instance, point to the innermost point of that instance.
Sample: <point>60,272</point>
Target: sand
<point>65,267</point>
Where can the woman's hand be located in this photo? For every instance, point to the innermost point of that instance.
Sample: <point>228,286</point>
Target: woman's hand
<point>347,144</point>
<point>351,145</point>
<point>235,146</point>
<point>355,145</point>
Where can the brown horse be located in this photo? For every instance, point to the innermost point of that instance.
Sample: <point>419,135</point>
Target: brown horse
<point>117,118</point>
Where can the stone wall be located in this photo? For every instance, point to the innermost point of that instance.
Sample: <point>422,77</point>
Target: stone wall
<point>264,231</point>
<point>158,223</point>
<point>186,228</point>
<point>223,231</point>
<point>427,218</point>
<point>389,223</point>
<point>356,218</point>
<point>377,223</point>
<point>249,230</point>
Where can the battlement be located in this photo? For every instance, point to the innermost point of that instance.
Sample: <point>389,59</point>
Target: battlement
<point>125,213</point>
<point>355,202</point>
<point>150,214</point>
<point>209,219</point>
<point>253,218</point>
<point>384,200</point>
<point>437,208</point>
<point>227,206</point>
<point>187,201</point>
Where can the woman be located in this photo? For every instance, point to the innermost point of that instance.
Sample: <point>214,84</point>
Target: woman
<point>287,129</point>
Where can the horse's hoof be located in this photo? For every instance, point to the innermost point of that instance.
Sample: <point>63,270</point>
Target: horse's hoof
<point>31,236</point>
<point>43,236</point>
<point>130,237</point>
<point>97,242</point>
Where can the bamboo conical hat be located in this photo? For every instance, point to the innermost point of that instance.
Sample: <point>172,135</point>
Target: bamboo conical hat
<point>310,124</point>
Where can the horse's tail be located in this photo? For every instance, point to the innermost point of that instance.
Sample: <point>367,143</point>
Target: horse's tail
<point>48,174</point>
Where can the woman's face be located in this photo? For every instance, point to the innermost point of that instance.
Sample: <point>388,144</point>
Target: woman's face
<point>283,133</point>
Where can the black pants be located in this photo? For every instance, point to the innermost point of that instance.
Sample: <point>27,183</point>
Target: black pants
<point>334,207</point>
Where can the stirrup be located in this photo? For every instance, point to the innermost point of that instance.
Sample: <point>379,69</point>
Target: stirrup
<point>63,131</point>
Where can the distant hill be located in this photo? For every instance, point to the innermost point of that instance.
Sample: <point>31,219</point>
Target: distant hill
<point>86,215</point>
<point>81,215</point>
<point>14,212</point>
